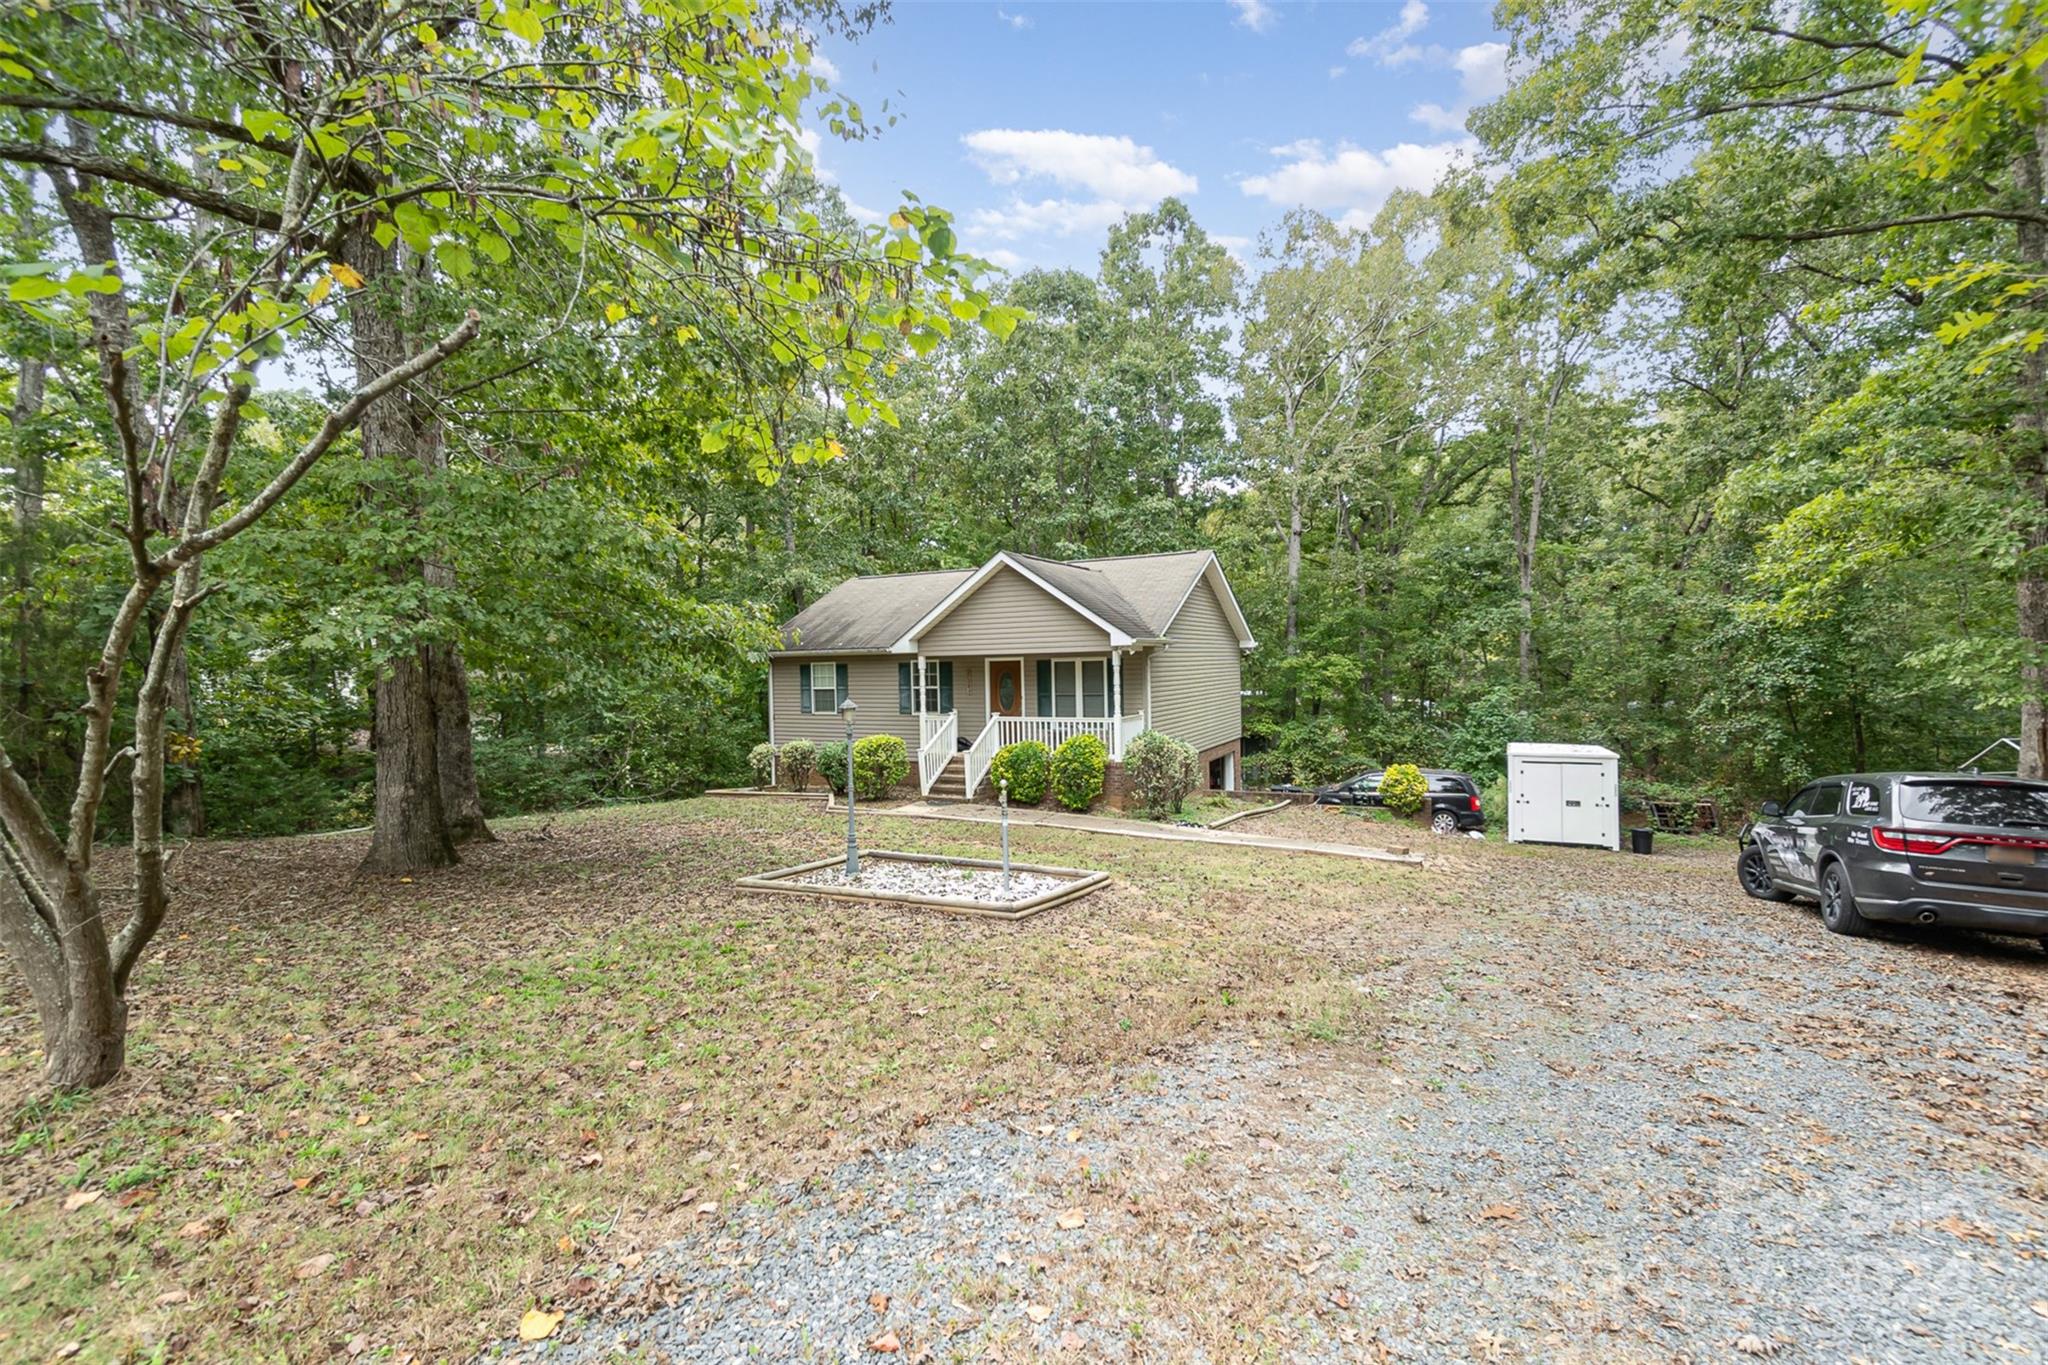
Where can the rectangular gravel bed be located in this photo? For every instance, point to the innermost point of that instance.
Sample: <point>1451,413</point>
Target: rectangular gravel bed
<point>960,886</point>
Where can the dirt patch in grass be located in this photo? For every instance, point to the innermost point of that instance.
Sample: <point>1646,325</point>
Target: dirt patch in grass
<point>397,1113</point>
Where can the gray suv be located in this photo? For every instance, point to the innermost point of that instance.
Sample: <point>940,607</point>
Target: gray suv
<point>1930,848</point>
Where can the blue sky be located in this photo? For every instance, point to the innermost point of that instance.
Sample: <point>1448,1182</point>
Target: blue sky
<point>1038,125</point>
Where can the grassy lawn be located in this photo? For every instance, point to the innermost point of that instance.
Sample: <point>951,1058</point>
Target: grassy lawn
<point>395,1114</point>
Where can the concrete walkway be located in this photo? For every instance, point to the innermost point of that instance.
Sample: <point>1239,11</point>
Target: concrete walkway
<point>1135,829</point>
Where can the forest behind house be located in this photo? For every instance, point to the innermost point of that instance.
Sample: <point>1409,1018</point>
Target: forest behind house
<point>1701,417</point>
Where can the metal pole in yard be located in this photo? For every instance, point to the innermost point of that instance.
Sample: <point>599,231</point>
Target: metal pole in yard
<point>846,709</point>
<point>1006,833</point>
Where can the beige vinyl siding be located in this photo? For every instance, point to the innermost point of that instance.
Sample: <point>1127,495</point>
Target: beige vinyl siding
<point>1010,615</point>
<point>870,681</point>
<point>1198,676</point>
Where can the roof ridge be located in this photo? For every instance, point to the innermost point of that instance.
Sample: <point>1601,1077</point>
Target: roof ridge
<point>1149,554</point>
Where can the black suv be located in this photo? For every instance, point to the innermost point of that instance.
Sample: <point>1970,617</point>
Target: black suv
<point>1453,800</point>
<point>1931,848</point>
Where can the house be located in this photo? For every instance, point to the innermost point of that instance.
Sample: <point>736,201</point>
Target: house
<point>961,662</point>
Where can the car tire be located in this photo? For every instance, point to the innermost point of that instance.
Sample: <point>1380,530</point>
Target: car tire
<point>1444,822</point>
<point>1754,872</point>
<point>1838,904</point>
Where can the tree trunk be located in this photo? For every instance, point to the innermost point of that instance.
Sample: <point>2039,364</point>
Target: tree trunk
<point>410,825</point>
<point>462,804</point>
<point>411,829</point>
<point>2031,460</point>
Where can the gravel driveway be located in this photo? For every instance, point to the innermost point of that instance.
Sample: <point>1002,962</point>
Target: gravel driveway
<point>1646,1122</point>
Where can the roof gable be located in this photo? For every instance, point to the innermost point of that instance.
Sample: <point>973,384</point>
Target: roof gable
<point>1133,598</point>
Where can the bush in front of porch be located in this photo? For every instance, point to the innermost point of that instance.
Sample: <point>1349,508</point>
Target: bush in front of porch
<point>1077,771</point>
<point>1026,766</point>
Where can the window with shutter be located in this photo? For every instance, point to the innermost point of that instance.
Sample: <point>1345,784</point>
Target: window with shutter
<point>803,688</point>
<point>1045,687</point>
<point>906,689</point>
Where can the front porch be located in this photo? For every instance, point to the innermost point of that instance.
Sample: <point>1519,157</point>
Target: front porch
<point>968,708</point>
<point>940,744</point>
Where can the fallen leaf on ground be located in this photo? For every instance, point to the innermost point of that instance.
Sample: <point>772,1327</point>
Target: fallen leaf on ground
<point>198,1227</point>
<point>879,1302</point>
<point>78,1199</point>
<point>886,1344</point>
<point>1753,1345</point>
<point>1037,1312</point>
<point>1071,1341</point>
<point>1506,1213</point>
<point>171,1296</point>
<point>316,1265</point>
<point>538,1324</point>
<point>1071,1219</point>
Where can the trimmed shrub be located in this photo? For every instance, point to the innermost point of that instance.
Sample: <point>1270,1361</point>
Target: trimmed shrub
<point>880,763</point>
<point>1026,766</point>
<point>1077,769</point>
<point>1162,770</point>
<point>1402,788</point>
<point>761,758</point>
<point>799,761</point>
<point>832,765</point>
<point>1493,804</point>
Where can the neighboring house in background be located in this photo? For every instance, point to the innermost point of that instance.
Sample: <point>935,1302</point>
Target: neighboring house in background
<point>962,662</point>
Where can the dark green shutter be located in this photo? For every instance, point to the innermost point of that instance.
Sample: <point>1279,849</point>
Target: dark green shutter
<point>803,683</point>
<point>903,689</point>
<point>1045,687</point>
<point>946,686</point>
<point>839,679</point>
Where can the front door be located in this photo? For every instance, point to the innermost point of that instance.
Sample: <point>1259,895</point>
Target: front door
<point>1006,687</point>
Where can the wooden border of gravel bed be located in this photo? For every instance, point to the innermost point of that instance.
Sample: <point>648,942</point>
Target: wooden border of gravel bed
<point>1082,882</point>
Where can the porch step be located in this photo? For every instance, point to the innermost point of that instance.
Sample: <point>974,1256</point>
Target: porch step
<point>951,784</point>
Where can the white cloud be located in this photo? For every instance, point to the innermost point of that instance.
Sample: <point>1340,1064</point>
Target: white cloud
<point>1390,45</point>
<point>1258,16</point>
<point>1047,218</point>
<point>1482,70</point>
<point>1004,259</point>
<point>1114,168</point>
<point>1438,119</point>
<point>1353,180</point>
<point>1019,22</point>
<point>1337,71</point>
<point>824,67</point>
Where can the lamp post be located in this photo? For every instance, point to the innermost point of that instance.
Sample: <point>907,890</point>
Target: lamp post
<point>1006,834</point>
<point>846,709</point>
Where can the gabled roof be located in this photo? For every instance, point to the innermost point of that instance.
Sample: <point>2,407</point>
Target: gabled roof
<point>1134,598</point>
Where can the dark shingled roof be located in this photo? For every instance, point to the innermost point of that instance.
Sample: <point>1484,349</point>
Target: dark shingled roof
<point>1138,594</point>
<point>869,613</point>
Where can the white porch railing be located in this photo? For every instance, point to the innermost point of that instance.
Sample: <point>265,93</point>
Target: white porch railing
<point>980,754</point>
<point>1113,731</point>
<point>940,733</point>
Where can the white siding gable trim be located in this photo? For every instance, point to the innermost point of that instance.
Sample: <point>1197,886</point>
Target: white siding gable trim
<point>1002,559</point>
<point>1213,572</point>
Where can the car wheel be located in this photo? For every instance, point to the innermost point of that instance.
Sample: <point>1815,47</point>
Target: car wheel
<point>1754,873</point>
<point>1838,905</point>
<point>1444,822</point>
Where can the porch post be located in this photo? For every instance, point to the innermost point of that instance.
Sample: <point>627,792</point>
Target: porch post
<point>1116,704</point>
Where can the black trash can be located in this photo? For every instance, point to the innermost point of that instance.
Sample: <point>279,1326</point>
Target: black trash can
<point>1639,840</point>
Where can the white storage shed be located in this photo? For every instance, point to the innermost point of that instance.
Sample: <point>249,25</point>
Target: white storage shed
<point>1564,794</point>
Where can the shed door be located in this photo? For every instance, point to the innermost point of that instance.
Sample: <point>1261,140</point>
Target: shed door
<point>1537,790</point>
<point>1581,809</point>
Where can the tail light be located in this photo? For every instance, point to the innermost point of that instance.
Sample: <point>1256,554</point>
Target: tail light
<point>1905,841</point>
<point>1915,841</point>
<point>1475,805</point>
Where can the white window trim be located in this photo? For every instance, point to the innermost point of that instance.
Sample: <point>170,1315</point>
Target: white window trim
<point>1076,660</point>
